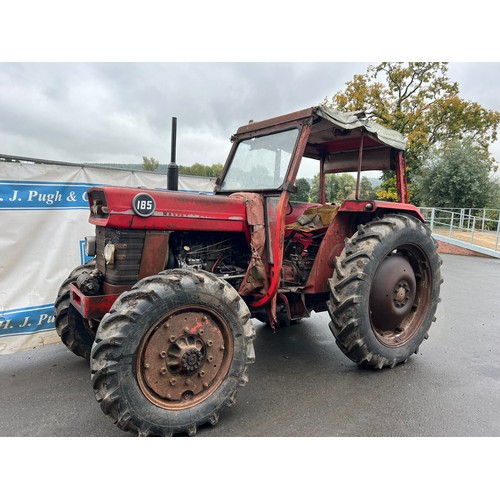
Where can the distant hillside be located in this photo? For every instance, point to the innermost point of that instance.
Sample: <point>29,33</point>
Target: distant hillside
<point>196,170</point>
<point>162,169</point>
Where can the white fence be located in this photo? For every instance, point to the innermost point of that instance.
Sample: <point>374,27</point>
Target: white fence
<point>477,229</point>
<point>44,219</point>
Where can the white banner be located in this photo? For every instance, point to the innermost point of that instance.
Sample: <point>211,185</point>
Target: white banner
<point>44,220</point>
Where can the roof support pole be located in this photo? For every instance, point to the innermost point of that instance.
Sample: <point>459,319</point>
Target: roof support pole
<point>322,183</point>
<point>401,180</point>
<point>360,158</point>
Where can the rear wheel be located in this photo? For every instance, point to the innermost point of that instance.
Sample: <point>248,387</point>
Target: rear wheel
<point>76,332</point>
<point>172,353</point>
<point>385,290</point>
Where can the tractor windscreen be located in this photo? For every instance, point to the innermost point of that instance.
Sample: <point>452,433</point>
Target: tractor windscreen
<point>260,162</point>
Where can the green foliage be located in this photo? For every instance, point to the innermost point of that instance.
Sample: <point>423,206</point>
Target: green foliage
<point>202,170</point>
<point>366,190</point>
<point>150,164</point>
<point>419,100</point>
<point>346,187</point>
<point>388,188</point>
<point>495,193</point>
<point>338,187</point>
<point>458,175</point>
<point>303,190</point>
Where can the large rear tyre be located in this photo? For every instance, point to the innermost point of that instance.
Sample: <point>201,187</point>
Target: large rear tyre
<point>76,333</point>
<point>384,291</point>
<point>172,353</point>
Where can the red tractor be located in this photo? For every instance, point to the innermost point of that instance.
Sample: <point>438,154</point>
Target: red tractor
<point>164,311</point>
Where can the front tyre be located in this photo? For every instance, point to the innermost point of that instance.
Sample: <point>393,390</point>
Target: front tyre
<point>76,332</point>
<point>172,353</point>
<point>384,291</point>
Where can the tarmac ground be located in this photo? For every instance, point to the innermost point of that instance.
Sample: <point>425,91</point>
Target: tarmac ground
<point>302,385</point>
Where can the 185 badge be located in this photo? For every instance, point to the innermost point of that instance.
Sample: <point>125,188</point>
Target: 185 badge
<point>143,205</point>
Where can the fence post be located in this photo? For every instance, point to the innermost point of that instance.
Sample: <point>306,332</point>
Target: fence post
<point>451,224</point>
<point>473,229</point>
<point>433,213</point>
<point>498,233</point>
<point>462,215</point>
<point>484,218</point>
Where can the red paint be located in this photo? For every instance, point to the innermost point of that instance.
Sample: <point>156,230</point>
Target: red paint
<point>94,307</point>
<point>174,211</point>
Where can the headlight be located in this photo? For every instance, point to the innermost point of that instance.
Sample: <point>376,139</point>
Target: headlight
<point>109,253</point>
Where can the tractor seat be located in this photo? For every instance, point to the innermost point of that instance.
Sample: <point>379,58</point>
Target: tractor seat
<point>310,216</point>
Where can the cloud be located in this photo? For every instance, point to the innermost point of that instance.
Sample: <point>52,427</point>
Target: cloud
<point>119,112</point>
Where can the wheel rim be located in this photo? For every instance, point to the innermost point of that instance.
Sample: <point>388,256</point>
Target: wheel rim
<point>400,296</point>
<point>184,357</point>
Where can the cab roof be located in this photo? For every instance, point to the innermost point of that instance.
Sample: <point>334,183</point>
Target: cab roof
<point>344,135</point>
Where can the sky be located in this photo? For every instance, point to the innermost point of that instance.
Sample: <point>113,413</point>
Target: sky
<point>69,91</point>
<point>119,112</point>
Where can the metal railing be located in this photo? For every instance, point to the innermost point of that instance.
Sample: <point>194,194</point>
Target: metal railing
<point>477,229</point>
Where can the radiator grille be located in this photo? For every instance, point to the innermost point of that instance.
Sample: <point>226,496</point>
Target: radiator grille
<point>129,246</point>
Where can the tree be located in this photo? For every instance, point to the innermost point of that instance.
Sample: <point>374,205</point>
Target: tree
<point>303,190</point>
<point>202,170</point>
<point>346,187</point>
<point>338,187</point>
<point>150,164</point>
<point>495,193</point>
<point>330,188</point>
<point>388,189</point>
<point>419,100</point>
<point>458,175</point>
<point>366,190</point>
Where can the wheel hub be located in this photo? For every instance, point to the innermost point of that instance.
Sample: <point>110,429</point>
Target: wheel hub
<point>401,294</point>
<point>183,358</point>
<point>392,293</point>
<point>186,359</point>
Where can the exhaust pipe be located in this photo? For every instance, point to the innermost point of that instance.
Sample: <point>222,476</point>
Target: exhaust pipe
<point>173,169</point>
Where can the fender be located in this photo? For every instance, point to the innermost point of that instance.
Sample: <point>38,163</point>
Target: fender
<point>351,213</point>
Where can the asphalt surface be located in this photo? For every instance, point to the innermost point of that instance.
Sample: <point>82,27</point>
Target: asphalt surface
<point>301,383</point>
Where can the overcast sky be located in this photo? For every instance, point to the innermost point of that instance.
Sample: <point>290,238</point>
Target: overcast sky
<point>119,112</point>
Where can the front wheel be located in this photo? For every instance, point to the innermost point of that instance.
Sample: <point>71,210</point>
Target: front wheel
<point>171,353</point>
<point>76,332</point>
<point>385,290</point>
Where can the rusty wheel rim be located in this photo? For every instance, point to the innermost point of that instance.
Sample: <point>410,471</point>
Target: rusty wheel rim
<point>400,296</point>
<point>184,357</point>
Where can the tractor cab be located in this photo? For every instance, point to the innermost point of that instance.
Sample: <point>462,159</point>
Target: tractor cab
<point>262,168</point>
<point>266,155</point>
